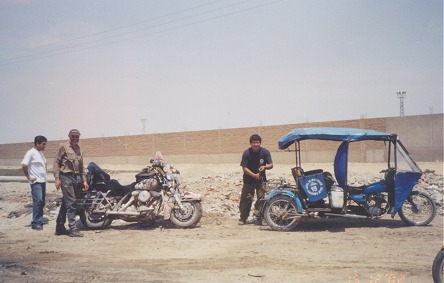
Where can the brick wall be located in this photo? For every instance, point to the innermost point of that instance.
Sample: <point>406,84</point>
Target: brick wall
<point>423,135</point>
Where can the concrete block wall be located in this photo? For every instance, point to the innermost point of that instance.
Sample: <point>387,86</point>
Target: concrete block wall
<point>422,135</point>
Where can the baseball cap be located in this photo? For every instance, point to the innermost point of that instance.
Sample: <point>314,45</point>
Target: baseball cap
<point>74,132</point>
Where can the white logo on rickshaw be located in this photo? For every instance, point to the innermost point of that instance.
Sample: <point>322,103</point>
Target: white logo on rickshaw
<point>314,187</point>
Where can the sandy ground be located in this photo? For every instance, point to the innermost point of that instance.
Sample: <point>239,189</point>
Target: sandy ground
<point>218,250</point>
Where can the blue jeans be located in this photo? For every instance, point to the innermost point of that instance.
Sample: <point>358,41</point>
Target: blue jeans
<point>38,192</point>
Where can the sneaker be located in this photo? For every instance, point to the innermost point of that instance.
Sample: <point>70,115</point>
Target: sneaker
<point>242,222</point>
<point>37,227</point>
<point>61,231</point>
<point>75,233</point>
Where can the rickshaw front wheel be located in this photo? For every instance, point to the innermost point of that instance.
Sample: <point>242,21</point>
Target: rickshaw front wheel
<point>281,213</point>
<point>419,209</point>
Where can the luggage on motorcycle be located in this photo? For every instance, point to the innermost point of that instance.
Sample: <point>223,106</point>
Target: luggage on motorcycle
<point>97,172</point>
<point>97,178</point>
<point>146,173</point>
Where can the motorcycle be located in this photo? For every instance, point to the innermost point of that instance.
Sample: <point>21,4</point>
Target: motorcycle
<point>155,195</point>
<point>318,194</point>
<point>438,267</point>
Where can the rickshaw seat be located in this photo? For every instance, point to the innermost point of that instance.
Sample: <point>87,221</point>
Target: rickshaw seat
<point>298,172</point>
<point>312,172</point>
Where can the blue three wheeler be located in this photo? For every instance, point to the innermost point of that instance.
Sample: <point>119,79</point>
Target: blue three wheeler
<point>319,194</point>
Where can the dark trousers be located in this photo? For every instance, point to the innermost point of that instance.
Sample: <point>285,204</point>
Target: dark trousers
<point>71,187</point>
<point>247,196</point>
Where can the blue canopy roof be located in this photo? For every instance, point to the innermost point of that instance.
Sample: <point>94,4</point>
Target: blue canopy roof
<point>333,134</point>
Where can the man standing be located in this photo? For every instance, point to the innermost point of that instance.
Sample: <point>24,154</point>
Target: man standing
<point>255,160</point>
<point>69,175</point>
<point>34,168</point>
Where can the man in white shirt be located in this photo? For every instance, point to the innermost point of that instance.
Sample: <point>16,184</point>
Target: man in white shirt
<point>34,168</point>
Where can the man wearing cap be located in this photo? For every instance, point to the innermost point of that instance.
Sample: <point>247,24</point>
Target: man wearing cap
<point>69,175</point>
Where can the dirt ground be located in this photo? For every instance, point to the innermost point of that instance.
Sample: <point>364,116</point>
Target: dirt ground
<point>217,250</point>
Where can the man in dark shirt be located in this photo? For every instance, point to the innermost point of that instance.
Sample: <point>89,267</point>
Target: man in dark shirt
<point>255,160</point>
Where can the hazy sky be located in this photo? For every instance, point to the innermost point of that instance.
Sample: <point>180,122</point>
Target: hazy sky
<point>101,66</point>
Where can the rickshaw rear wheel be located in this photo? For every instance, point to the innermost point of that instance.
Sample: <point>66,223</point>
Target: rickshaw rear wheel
<point>281,213</point>
<point>418,209</point>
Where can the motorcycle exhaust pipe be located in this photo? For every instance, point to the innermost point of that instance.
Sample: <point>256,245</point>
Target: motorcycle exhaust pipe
<point>122,213</point>
<point>128,213</point>
<point>346,215</point>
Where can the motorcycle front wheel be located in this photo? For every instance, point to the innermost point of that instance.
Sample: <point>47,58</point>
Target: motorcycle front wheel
<point>281,213</point>
<point>189,216</point>
<point>438,267</point>
<point>418,209</point>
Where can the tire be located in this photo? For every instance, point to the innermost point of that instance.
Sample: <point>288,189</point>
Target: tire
<point>189,217</point>
<point>419,209</point>
<point>281,213</point>
<point>438,267</point>
<point>95,220</point>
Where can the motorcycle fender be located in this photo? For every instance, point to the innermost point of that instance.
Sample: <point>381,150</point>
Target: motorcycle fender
<point>286,193</point>
<point>190,196</point>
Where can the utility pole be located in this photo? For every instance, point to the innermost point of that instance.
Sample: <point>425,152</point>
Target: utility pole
<point>401,95</point>
<point>143,124</point>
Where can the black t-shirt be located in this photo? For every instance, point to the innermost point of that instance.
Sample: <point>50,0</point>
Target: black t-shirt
<point>253,160</point>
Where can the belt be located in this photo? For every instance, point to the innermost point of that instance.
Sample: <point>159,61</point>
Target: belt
<point>69,173</point>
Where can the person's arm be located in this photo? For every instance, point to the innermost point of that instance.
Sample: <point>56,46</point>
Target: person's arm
<point>56,166</point>
<point>268,162</point>
<point>267,166</point>
<point>25,171</point>
<point>82,172</point>
<point>25,166</point>
<point>250,173</point>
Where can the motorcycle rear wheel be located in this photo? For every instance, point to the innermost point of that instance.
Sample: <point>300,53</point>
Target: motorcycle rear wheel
<point>95,220</point>
<point>189,217</point>
<point>281,213</point>
<point>419,209</point>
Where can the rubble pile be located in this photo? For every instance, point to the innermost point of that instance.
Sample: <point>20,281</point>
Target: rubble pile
<point>433,185</point>
<point>222,192</point>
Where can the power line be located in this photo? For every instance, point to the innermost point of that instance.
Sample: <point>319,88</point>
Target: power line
<point>109,30</point>
<point>83,46</point>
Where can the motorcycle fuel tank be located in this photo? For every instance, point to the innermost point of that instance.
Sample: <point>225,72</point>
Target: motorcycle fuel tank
<point>359,198</point>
